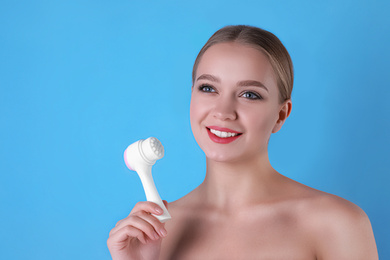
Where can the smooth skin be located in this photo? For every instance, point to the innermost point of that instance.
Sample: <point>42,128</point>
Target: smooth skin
<point>244,209</point>
<point>139,235</point>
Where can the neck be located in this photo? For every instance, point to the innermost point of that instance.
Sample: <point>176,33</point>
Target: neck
<point>229,185</point>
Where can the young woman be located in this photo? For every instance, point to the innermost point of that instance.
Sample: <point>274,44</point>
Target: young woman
<point>244,209</point>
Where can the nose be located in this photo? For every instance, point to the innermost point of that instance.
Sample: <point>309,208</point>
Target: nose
<point>225,109</point>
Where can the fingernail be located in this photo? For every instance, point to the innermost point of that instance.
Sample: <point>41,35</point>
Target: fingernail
<point>156,236</point>
<point>163,232</point>
<point>158,210</point>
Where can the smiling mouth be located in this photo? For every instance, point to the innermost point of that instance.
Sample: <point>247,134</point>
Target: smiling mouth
<point>223,135</point>
<point>223,132</point>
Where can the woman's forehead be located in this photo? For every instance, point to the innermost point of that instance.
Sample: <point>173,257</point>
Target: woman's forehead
<point>235,61</point>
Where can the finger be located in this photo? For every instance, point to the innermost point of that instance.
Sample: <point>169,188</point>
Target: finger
<point>152,220</point>
<point>144,209</point>
<point>123,235</point>
<point>147,206</point>
<point>138,223</point>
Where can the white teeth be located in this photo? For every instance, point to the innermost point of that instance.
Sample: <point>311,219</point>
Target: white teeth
<point>222,134</point>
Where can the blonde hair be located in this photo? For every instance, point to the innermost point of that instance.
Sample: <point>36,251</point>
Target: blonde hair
<point>263,40</point>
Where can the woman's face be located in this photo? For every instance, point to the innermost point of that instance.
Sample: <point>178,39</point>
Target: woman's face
<point>235,103</point>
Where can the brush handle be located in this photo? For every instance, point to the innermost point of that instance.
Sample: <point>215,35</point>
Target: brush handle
<point>145,174</point>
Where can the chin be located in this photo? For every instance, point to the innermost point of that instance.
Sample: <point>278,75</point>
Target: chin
<point>223,157</point>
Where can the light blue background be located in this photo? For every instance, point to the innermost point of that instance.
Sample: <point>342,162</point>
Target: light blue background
<point>81,80</point>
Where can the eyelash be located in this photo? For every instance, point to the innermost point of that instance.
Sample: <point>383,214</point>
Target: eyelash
<point>203,86</point>
<point>256,95</point>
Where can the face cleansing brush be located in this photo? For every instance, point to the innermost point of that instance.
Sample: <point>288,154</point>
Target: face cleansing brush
<point>140,157</point>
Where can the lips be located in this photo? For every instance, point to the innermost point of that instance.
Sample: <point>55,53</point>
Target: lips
<point>222,135</point>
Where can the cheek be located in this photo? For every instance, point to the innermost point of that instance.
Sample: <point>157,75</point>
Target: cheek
<point>270,121</point>
<point>195,114</point>
<point>261,121</point>
<point>192,110</point>
<point>196,109</point>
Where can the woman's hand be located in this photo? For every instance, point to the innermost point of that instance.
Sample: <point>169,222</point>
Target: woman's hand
<point>139,235</point>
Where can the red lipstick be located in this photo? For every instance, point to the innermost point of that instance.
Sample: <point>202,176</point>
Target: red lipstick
<point>222,140</point>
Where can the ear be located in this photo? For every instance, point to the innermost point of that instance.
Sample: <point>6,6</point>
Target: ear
<point>284,112</point>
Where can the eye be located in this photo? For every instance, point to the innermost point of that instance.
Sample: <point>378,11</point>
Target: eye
<point>251,95</point>
<point>206,88</point>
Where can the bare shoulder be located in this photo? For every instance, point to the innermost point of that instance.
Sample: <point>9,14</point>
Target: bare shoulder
<point>330,226</point>
<point>327,211</point>
<point>181,209</point>
<point>184,204</point>
<point>329,207</point>
<point>339,228</point>
<point>335,227</point>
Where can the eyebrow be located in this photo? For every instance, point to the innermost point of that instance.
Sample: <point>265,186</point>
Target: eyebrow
<point>255,83</point>
<point>244,83</point>
<point>208,77</point>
